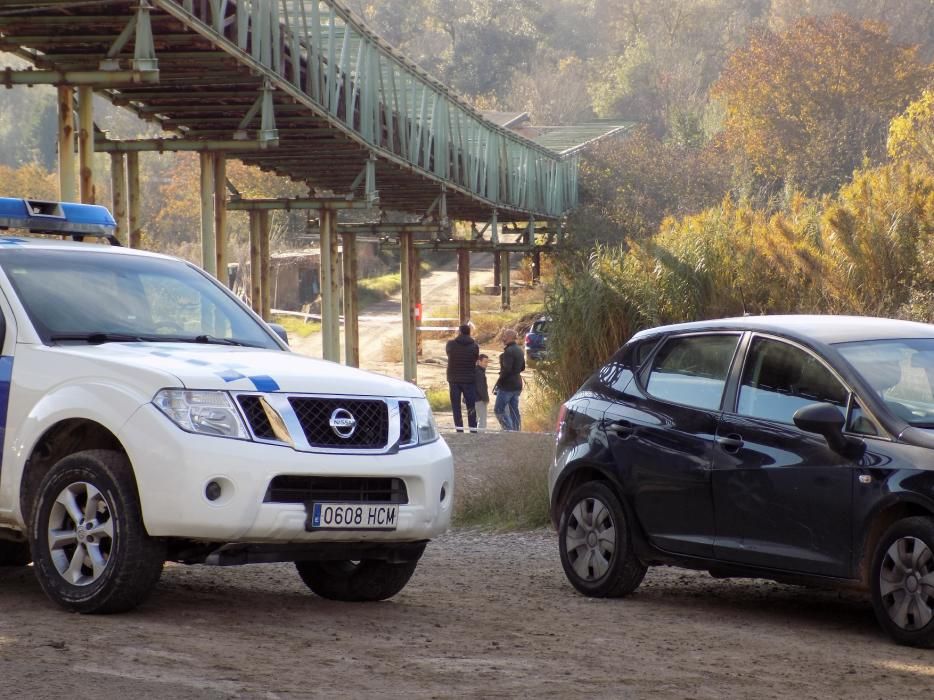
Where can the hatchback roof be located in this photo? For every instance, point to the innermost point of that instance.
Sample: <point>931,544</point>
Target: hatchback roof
<point>824,329</point>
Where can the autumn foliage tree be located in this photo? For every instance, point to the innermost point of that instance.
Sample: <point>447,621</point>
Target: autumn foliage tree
<point>809,105</point>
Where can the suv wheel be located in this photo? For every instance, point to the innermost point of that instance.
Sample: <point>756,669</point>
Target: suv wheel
<point>903,581</point>
<point>356,581</point>
<point>91,551</point>
<point>596,549</point>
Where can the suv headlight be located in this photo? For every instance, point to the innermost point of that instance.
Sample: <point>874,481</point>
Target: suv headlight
<point>427,429</point>
<point>202,412</point>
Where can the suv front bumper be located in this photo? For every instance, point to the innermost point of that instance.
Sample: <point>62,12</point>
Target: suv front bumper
<point>173,468</point>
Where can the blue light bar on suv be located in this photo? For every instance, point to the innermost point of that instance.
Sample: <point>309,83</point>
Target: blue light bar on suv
<point>57,218</point>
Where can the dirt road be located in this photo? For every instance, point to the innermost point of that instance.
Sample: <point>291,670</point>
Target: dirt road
<point>486,615</point>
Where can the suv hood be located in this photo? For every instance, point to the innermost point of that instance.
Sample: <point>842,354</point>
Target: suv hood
<point>233,368</point>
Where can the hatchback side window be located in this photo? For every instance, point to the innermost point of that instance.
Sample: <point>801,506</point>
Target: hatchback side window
<point>779,378</point>
<point>692,370</point>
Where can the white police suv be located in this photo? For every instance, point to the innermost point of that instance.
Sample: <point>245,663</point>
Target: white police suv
<point>147,415</point>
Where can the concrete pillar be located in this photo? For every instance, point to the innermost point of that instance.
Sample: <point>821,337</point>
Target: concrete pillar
<point>265,289</point>
<point>208,252</point>
<point>86,144</point>
<point>463,285</point>
<point>504,280</point>
<point>351,308</point>
<point>256,265</point>
<point>133,200</point>
<point>220,217</point>
<point>330,287</point>
<point>67,191</point>
<point>119,190</point>
<point>409,359</point>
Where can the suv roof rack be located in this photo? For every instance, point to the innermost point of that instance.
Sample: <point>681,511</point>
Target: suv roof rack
<point>58,218</point>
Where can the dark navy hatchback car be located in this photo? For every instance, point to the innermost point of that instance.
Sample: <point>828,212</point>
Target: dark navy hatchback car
<point>793,448</point>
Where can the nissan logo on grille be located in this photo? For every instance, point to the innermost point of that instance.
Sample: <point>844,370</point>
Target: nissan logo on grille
<point>342,423</point>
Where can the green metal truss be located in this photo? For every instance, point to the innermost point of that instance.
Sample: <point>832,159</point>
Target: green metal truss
<point>385,101</point>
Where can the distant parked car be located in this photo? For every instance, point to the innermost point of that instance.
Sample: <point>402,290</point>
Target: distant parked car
<point>536,340</point>
<point>793,448</point>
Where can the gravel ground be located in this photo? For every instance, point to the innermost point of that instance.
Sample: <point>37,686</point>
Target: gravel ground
<point>486,615</point>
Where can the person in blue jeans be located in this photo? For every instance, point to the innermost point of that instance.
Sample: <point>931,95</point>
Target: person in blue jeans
<point>508,386</point>
<point>462,353</point>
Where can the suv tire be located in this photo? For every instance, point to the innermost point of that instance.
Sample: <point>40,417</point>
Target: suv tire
<point>595,546</point>
<point>356,581</point>
<point>89,545</point>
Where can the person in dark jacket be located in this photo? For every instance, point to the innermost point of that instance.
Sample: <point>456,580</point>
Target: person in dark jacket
<point>509,385</point>
<point>462,354</point>
<point>483,392</point>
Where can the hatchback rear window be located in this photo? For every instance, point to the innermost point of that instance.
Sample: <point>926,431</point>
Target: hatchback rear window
<point>692,370</point>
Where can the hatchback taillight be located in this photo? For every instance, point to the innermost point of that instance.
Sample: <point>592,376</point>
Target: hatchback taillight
<point>528,338</point>
<point>559,424</point>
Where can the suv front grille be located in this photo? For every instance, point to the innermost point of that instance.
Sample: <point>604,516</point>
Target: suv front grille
<point>256,416</point>
<point>371,430</point>
<point>306,489</point>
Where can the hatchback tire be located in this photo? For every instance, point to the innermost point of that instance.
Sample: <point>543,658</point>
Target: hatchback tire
<point>595,544</point>
<point>903,581</point>
<point>91,551</point>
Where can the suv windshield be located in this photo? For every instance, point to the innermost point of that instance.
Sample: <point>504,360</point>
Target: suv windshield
<point>98,297</point>
<point>901,372</point>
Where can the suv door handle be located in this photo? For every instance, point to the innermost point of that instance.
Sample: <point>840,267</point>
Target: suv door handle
<point>621,429</point>
<point>730,443</point>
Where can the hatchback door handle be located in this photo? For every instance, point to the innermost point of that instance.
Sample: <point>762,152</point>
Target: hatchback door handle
<point>621,429</point>
<point>731,442</point>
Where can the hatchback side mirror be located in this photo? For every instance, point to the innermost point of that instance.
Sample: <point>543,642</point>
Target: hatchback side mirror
<point>279,331</point>
<point>827,420</point>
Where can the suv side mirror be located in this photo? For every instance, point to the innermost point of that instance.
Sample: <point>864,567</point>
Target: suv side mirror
<point>827,420</point>
<point>279,331</point>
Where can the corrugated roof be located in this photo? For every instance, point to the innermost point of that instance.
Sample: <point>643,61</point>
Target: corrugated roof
<point>570,139</point>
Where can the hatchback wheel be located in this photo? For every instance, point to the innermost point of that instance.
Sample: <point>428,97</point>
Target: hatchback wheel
<point>903,581</point>
<point>596,549</point>
<point>91,551</point>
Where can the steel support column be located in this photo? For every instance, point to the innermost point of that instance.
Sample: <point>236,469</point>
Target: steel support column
<point>463,285</point>
<point>409,358</point>
<point>536,267</point>
<point>86,144</point>
<point>330,287</point>
<point>135,236</point>
<point>220,217</point>
<point>208,252</point>
<point>505,291</point>
<point>496,271</point>
<point>351,308</point>
<point>119,191</point>
<point>67,191</point>
<point>417,298</point>
<point>256,265</point>
<point>265,228</point>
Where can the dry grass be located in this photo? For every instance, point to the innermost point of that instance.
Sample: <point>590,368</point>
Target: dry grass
<point>392,350</point>
<point>515,498</point>
<point>540,411</point>
<point>296,326</point>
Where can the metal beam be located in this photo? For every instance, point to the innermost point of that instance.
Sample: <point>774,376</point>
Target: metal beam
<point>220,217</point>
<point>86,145</point>
<point>319,203</point>
<point>208,252</point>
<point>133,200</point>
<point>256,266</point>
<point>119,193</point>
<point>265,230</point>
<point>100,78</point>
<point>171,145</point>
<point>463,285</point>
<point>504,281</point>
<point>408,265</point>
<point>330,323</point>
<point>351,307</point>
<point>67,189</point>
